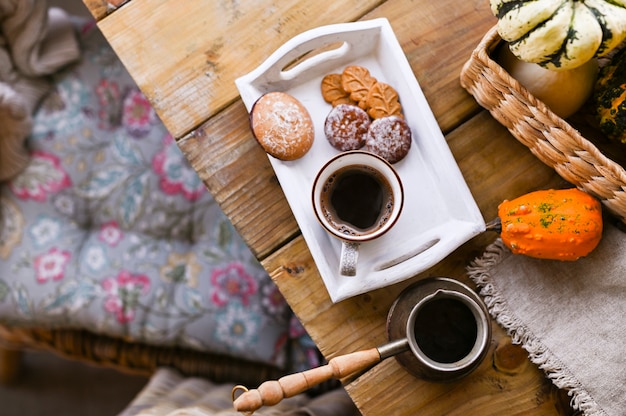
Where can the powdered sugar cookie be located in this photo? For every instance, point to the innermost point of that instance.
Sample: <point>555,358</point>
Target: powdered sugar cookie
<point>346,127</point>
<point>282,125</point>
<point>389,137</point>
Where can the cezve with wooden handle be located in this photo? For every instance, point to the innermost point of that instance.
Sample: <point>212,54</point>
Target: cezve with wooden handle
<point>272,392</point>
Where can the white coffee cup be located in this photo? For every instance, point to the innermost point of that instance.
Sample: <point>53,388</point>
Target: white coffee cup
<point>357,197</point>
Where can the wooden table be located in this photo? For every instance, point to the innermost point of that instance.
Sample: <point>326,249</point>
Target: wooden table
<point>185,57</point>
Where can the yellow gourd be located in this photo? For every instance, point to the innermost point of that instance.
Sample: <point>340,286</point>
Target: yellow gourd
<point>564,92</point>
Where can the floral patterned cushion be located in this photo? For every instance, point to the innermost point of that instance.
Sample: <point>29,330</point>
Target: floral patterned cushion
<point>109,229</point>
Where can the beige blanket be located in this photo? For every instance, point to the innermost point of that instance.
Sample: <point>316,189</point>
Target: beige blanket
<point>35,41</point>
<point>569,316</point>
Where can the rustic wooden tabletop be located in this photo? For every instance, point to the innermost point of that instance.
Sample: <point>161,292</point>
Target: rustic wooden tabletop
<point>185,58</point>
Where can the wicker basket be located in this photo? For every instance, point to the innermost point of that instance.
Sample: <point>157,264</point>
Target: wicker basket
<point>549,137</point>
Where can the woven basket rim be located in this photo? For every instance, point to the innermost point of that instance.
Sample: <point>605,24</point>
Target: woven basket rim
<point>602,177</point>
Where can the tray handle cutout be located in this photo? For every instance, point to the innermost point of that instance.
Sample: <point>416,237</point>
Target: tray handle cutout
<point>311,59</point>
<point>407,256</point>
<point>314,51</point>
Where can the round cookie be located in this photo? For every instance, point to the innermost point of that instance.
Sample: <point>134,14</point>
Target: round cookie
<point>346,127</point>
<point>282,125</point>
<point>389,137</point>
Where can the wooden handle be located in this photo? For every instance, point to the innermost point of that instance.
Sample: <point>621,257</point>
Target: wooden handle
<point>272,392</point>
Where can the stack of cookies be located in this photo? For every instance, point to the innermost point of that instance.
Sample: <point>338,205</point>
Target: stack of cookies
<point>366,114</point>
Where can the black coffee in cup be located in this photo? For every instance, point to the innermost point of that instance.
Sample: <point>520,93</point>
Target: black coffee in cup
<point>357,200</point>
<point>445,330</point>
<point>357,197</point>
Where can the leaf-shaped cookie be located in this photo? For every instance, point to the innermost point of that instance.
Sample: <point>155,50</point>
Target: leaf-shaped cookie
<point>357,80</point>
<point>332,90</point>
<point>344,100</point>
<point>382,100</point>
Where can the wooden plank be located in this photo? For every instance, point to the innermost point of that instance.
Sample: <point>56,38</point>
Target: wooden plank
<point>438,38</point>
<point>185,57</point>
<point>487,391</point>
<point>482,146</point>
<point>495,165</point>
<point>194,77</point>
<point>238,174</point>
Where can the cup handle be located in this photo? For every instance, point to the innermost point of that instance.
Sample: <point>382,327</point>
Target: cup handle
<point>349,257</point>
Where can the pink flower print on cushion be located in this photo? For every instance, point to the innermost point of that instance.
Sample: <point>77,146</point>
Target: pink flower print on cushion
<point>123,293</point>
<point>176,176</point>
<point>44,175</point>
<point>296,330</point>
<point>138,116</point>
<point>230,282</point>
<point>51,265</point>
<point>273,301</point>
<point>110,233</point>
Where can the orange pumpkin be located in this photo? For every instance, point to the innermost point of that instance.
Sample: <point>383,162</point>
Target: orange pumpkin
<point>553,224</point>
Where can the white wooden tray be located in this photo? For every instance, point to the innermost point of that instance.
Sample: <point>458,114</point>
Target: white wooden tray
<point>439,213</point>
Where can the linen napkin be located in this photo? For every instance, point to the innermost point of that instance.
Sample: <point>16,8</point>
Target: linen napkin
<point>569,316</point>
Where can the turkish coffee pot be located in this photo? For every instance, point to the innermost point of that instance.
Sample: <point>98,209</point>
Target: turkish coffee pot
<point>439,330</point>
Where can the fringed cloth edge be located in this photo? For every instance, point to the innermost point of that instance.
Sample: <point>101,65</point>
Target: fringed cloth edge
<point>539,354</point>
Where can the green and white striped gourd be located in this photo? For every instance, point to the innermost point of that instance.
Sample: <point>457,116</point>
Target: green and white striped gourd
<point>560,34</point>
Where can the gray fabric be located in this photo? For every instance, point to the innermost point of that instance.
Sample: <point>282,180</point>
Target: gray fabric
<point>168,393</point>
<point>569,316</point>
<point>35,42</point>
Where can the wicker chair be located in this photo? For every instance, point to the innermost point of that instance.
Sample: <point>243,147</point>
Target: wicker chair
<point>112,252</point>
<point>125,356</point>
